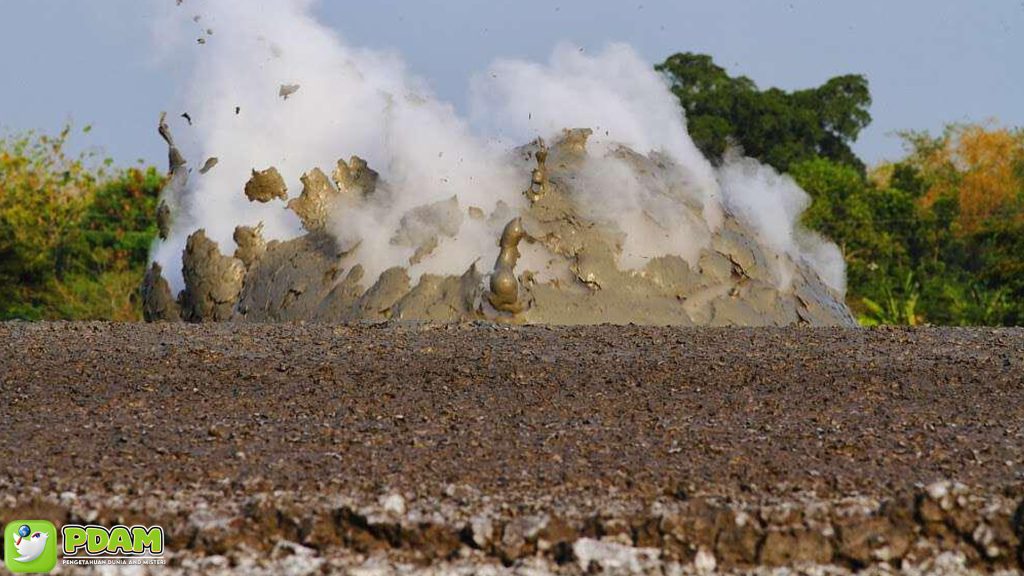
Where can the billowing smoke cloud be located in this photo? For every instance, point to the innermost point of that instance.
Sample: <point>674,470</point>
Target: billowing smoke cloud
<point>625,102</point>
<point>350,101</point>
<point>354,101</point>
<point>772,205</point>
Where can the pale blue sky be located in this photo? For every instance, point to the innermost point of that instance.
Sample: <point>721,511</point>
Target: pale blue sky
<point>929,61</point>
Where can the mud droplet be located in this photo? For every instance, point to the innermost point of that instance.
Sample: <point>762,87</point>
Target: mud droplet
<point>209,164</point>
<point>287,90</point>
<point>266,186</point>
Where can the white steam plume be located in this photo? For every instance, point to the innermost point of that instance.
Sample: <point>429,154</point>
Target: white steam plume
<point>362,102</point>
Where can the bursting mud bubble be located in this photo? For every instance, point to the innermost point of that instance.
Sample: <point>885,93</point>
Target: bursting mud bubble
<point>606,212</point>
<point>573,274</point>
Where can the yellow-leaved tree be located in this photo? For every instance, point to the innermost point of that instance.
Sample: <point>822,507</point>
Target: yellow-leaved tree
<point>982,167</point>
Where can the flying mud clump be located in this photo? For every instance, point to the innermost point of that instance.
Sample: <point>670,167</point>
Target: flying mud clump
<point>573,274</point>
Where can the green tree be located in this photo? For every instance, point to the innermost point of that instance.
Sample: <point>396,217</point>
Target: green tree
<point>778,128</point>
<point>897,307</point>
<point>74,234</point>
<point>872,227</point>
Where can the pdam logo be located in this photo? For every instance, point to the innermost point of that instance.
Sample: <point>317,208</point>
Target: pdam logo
<point>30,546</point>
<point>116,546</point>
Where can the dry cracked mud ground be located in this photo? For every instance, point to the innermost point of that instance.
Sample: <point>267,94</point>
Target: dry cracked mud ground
<point>492,449</point>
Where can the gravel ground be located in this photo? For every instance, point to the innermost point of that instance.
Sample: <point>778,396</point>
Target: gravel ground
<point>540,448</point>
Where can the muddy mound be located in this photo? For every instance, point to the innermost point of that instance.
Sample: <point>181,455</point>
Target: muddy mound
<point>560,260</point>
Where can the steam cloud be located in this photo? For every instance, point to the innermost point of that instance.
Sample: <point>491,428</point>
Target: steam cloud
<point>354,101</point>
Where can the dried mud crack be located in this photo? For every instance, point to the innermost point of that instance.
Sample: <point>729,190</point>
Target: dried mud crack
<point>469,448</point>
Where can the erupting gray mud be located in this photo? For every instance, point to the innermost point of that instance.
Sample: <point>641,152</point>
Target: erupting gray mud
<point>573,274</point>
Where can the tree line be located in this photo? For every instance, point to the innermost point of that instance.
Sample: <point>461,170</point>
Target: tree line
<point>936,237</point>
<point>74,231</point>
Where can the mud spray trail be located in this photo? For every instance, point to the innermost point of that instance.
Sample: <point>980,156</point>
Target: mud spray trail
<point>291,446</point>
<point>576,178</point>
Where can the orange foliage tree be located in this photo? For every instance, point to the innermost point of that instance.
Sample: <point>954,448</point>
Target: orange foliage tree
<point>981,167</point>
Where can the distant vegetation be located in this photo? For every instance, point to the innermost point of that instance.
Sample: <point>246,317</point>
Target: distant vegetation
<point>74,233</point>
<point>936,237</point>
<point>778,128</point>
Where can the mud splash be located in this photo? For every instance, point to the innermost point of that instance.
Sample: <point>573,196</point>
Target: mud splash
<point>560,261</point>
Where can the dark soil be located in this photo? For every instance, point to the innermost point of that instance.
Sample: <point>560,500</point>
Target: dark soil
<point>532,418</point>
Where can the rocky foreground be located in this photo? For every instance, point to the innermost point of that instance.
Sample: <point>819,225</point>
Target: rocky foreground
<point>490,449</point>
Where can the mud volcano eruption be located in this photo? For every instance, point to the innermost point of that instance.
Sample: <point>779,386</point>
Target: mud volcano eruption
<point>618,219</point>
